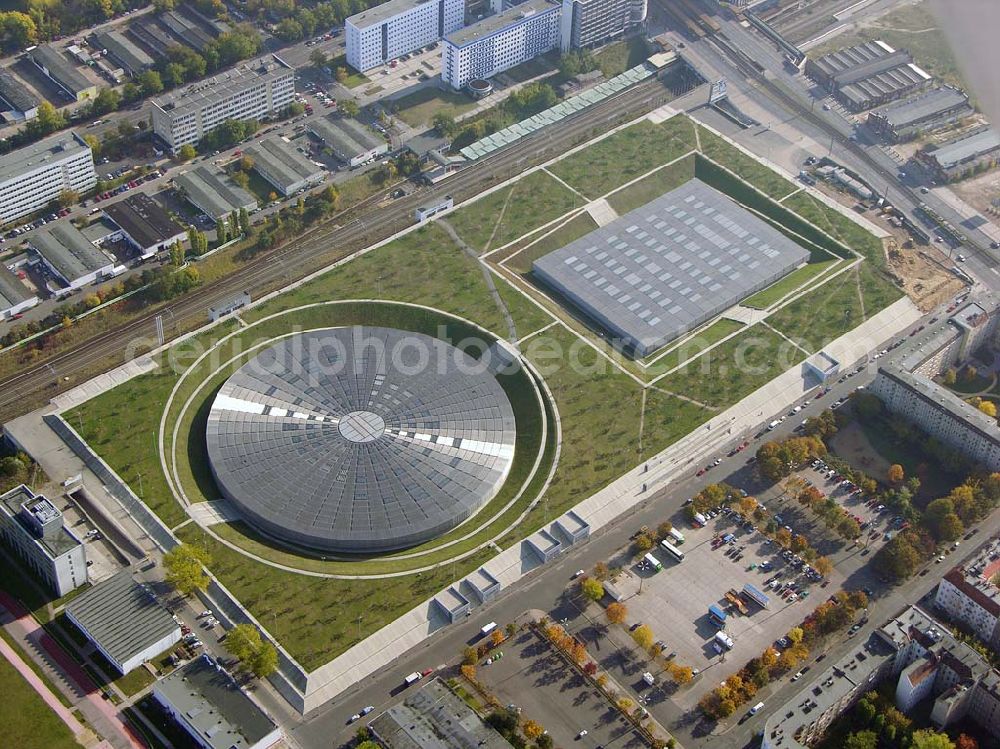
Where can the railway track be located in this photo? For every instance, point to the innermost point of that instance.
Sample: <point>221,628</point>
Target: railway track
<point>318,248</point>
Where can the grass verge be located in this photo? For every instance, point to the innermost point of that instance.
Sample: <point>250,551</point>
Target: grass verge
<point>792,282</point>
<point>27,721</point>
<point>417,109</point>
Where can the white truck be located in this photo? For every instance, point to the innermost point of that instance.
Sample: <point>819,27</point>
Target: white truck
<point>488,628</point>
<point>724,640</point>
<point>649,678</point>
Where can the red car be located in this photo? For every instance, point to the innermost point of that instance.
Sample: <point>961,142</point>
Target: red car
<point>427,672</point>
<point>701,471</point>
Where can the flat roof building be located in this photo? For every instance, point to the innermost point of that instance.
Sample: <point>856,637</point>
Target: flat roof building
<point>18,102</point>
<point>967,594</point>
<point>34,176</point>
<point>213,192</point>
<point>33,528</point>
<point>932,109</point>
<point>124,51</point>
<point>377,35</point>
<point>587,23</point>
<point>433,717</point>
<point>868,74</point>
<point>839,67</point>
<point>453,604</point>
<point>500,42</point>
<point>144,224</point>
<point>123,619</point>
<point>58,69</point>
<point>350,141</point>
<point>70,256</point>
<point>883,87</point>
<point>277,161</point>
<point>962,156</point>
<point>208,704</point>
<point>14,295</point>
<point>665,268</point>
<point>253,90</point>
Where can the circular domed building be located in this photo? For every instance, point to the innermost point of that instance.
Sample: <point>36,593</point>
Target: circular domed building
<point>360,439</point>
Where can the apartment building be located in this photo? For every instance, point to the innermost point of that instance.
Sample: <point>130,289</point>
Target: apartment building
<point>587,23</point>
<point>967,594</point>
<point>33,176</point>
<point>387,31</point>
<point>32,527</point>
<point>255,90</point>
<point>500,42</point>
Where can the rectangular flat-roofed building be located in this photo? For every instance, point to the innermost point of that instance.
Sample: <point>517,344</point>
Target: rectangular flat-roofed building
<point>14,295</point>
<point>961,156</point>
<point>124,51</point>
<point>144,224</point>
<point>433,717</point>
<point>587,23</point>
<point>375,36</point>
<point>885,86</point>
<point>665,268</point>
<point>931,109</point>
<point>277,161</point>
<point>33,528</point>
<point>18,102</point>
<point>62,72</point>
<point>253,90</point>
<point>123,619</point>
<point>208,704</point>
<point>500,42</point>
<point>33,176</point>
<point>70,256</point>
<point>211,191</point>
<point>350,141</point>
<point>831,69</point>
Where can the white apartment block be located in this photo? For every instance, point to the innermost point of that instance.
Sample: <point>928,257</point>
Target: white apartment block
<point>33,176</point>
<point>383,33</point>
<point>587,23</point>
<point>500,42</point>
<point>254,90</point>
<point>967,594</point>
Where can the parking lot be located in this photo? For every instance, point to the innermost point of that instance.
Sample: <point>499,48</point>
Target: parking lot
<point>675,601</point>
<point>559,699</point>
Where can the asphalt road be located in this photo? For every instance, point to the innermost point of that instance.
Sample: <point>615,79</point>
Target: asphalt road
<point>316,249</point>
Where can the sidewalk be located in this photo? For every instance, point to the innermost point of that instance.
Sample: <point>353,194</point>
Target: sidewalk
<point>67,675</point>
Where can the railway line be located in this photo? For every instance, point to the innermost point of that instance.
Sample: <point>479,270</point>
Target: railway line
<point>308,253</point>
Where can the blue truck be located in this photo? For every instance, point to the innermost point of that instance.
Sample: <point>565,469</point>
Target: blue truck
<point>717,615</point>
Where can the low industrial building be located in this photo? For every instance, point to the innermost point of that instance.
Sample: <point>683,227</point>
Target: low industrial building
<point>14,295</point>
<point>665,268</point>
<point>867,75</point>
<point>124,51</point>
<point>70,257</point>
<point>58,69</point>
<point>350,141</point>
<point>930,110</point>
<point>454,605</point>
<point>277,161</point>
<point>434,717</point>
<point>144,224</point>
<point>483,584</point>
<point>545,545</point>
<point>17,103</point>
<point>210,190</point>
<point>924,660</point>
<point>905,382</point>
<point>208,704</point>
<point>572,528</point>
<point>392,29</point>
<point>124,621</point>
<point>252,90</point>
<point>962,156</point>
<point>33,528</point>
<point>34,176</point>
<point>500,42</point>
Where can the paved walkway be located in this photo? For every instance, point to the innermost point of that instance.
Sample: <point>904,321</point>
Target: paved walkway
<point>66,674</point>
<point>602,212</point>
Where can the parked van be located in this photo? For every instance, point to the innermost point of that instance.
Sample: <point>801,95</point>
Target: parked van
<point>488,628</point>
<point>772,425</point>
<point>757,708</point>
<point>413,678</point>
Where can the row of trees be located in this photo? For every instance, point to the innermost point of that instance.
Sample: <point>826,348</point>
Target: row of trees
<point>523,103</point>
<point>776,460</point>
<point>740,688</point>
<point>825,508</point>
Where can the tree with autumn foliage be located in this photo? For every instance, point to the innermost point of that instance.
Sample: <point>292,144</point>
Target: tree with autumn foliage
<point>616,613</point>
<point>531,730</point>
<point>895,474</point>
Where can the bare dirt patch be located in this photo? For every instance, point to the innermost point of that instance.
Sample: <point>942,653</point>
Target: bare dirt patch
<point>924,277</point>
<point>980,192</point>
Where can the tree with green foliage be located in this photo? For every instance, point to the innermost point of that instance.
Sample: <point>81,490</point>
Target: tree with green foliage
<point>185,568</point>
<point>107,100</point>
<point>244,221</point>
<point>349,107</point>
<point>177,254</point>
<point>898,558</point>
<point>445,124</point>
<point>318,58</point>
<point>17,31</point>
<point>592,588</point>
<point>255,653</point>
<point>929,739</point>
<point>186,152</point>
<point>576,62</point>
<point>643,636</point>
<point>150,82</point>
<point>861,740</point>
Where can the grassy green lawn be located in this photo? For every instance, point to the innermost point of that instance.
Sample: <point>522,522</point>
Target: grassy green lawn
<point>578,226</point>
<point>417,109</point>
<point>27,721</point>
<point>734,369</point>
<point>652,186</point>
<point>354,78</point>
<point>693,345</point>
<point>764,179</point>
<point>135,681</point>
<point>532,68</point>
<point>817,318</point>
<point>838,226</point>
<point>629,153</point>
<point>618,57</point>
<point>511,212</point>
<point>785,286</point>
